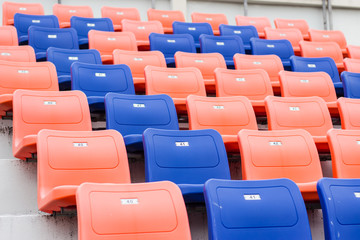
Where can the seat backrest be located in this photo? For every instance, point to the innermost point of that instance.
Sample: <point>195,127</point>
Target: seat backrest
<point>353,51</point>
<point>309,113</point>
<point>8,36</point>
<point>132,114</point>
<point>194,29</point>
<point>98,80</point>
<point>184,157</point>
<point>292,34</point>
<point>328,36</point>
<point>351,84</point>
<point>349,114</point>
<point>352,65</point>
<point>300,24</point>
<point>339,200</point>
<point>143,210</point>
<point>321,49</point>
<point>214,19</point>
<point>65,12</point>
<point>84,25</point>
<point>10,8</point>
<point>281,47</point>
<point>142,29</point>
<point>117,14</point>
<point>166,17</point>
<point>245,32</point>
<point>227,115</point>
<point>252,83</point>
<point>260,23</point>
<point>265,209</point>
<point>17,53</point>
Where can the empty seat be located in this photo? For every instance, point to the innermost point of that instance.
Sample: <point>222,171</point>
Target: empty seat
<point>194,29</point>
<point>351,83</point>
<point>63,58</point>
<point>178,83</point>
<point>214,19</point>
<point>142,30</point>
<point>166,17</point>
<point>292,34</point>
<point>227,115</point>
<point>22,22</point>
<point>9,36</point>
<point>169,44</point>
<point>205,62</point>
<point>339,200</point>
<point>17,53</point>
<point>41,39</point>
<point>132,211</point>
<point>187,158</point>
<point>349,113</point>
<point>67,159</point>
<point>65,12</point>
<point>84,25</point>
<point>245,32</point>
<point>353,51</point>
<point>252,83</point>
<point>117,14</point>
<point>264,209</point>
<point>329,36</point>
<point>10,8</point>
<point>107,42</point>
<point>300,24</point>
<point>36,110</point>
<point>352,65</point>
<point>260,23</point>
<point>132,114</point>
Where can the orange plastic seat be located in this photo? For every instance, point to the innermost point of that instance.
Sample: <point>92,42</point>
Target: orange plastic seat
<point>227,115</point>
<point>9,36</point>
<point>40,76</point>
<point>17,53</point>
<point>36,110</point>
<point>145,211</point>
<point>308,84</point>
<point>142,30</point>
<point>329,36</point>
<point>137,61</point>
<point>178,83</point>
<point>253,83</point>
<point>349,113</point>
<point>65,12</point>
<point>292,34</point>
<point>10,8</point>
<point>353,51</point>
<point>166,17</point>
<point>107,42</point>
<point>281,154</point>
<point>300,24</point>
<point>309,113</point>
<point>260,23</point>
<point>352,65</point>
<point>270,63</point>
<point>214,19</point>
<point>205,62</point>
<point>67,159</point>
<point>117,14</point>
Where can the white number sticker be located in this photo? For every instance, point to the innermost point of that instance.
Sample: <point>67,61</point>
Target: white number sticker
<point>311,65</point>
<point>100,74</point>
<point>182,144</point>
<point>199,61</point>
<point>171,41</point>
<point>5,54</point>
<point>35,21</point>
<point>90,24</point>
<point>240,79</point>
<point>250,197</point>
<point>294,109</point>
<point>51,103</point>
<point>357,194</point>
<point>138,59</point>
<point>237,32</point>
<point>304,81</point>
<point>22,9</point>
<point>72,11</point>
<point>192,29</point>
<point>218,107</point>
<point>275,143</point>
<point>172,76</point>
<point>138,105</point>
<point>270,46</point>
<point>111,39</point>
<point>165,16</point>
<point>257,63</point>
<point>23,71</point>
<point>319,49</point>
<point>141,27</point>
<point>80,144</point>
<point>119,13</point>
<point>73,58</point>
<point>132,201</point>
<point>208,19</point>
<point>220,43</point>
<point>326,36</point>
<point>52,36</point>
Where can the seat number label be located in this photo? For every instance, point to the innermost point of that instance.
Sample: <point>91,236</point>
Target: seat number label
<point>90,24</point>
<point>73,58</point>
<point>5,54</point>
<point>275,143</point>
<point>237,32</point>
<point>165,16</point>
<point>240,79</point>
<point>319,49</point>
<point>138,105</point>
<point>120,13</point>
<point>218,107</point>
<point>311,65</point>
<point>270,46</point>
<point>52,103</point>
<point>358,142</point>
<point>282,34</point>
<point>290,24</point>
<point>304,81</point>
<point>131,201</point>
<point>326,36</point>
<point>138,59</point>
<point>257,63</point>
<point>220,43</point>
<point>100,74</point>
<point>35,21</point>
<point>171,41</point>
<point>23,71</point>
<point>172,76</point>
<point>192,29</point>
<point>52,36</point>
<point>295,109</point>
<point>141,27</point>
<point>251,197</point>
<point>199,61</point>
<point>208,19</point>
<point>111,39</point>
<point>357,194</point>
<point>80,144</point>
<point>22,9</point>
<point>182,144</point>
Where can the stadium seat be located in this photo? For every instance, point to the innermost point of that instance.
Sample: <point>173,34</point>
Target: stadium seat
<point>84,25</point>
<point>214,19</point>
<point>245,32</point>
<point>67,159</point>
<point>169,44</point>
<point>131,115</point>
<point>9,36</point>
<point>178,83</point>
<point>309,113</point>
<point>166,17</point>
<point>187,158</point>
<point>300,24</point>
<point>107,42</point>
<point>349,113</point>
<point>65,12</point>
<point>270,63</point>
<point>22,22</point>
<point>10,8</point>
<point>41,39</point>
<point>142,30</point>
<point>353,51</point>
<point>132,211</point>
<point>36,110</point>
<point>352,65</point>
<point>63,58</point>
<point>96,80</point>
<point>339,200</point>
<point>227,115</point>
<point>263,209</point>
<point>227,46</point>
<point>205,62</point>
<point>117,14</point>
<point>194,29</point>
<point>351,83</point>
<point>260,23</point>
<point>292,34</point>
<point>329,36</point>
<point>17,53</point>
<point>252,83</point>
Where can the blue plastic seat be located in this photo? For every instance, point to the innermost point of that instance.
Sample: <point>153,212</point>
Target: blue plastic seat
<point>340,203</point>
<point>249,210</point>
<point>245,32</point>
<point>131,115</point>
<point>194,29</point>
<point>63,58</point>
<point>228,46</point>
<point>84,25</point>
<point>169,44</point>
<point>22,22</point>
<point>187,158</point>
<point>281,48</point>
<point>41,38</point>
<point>351,84</point>
<point>324,64</point>
<point>97,80</point>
